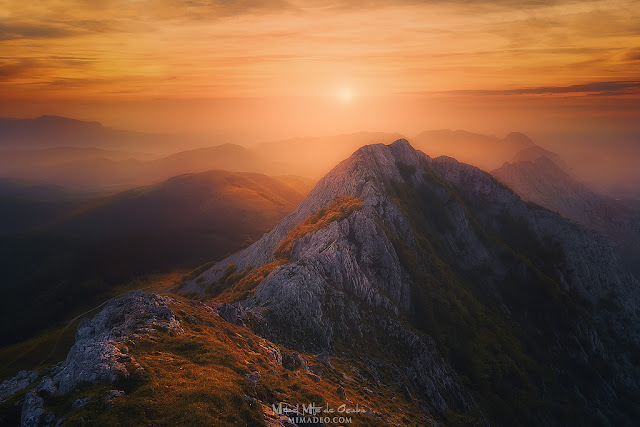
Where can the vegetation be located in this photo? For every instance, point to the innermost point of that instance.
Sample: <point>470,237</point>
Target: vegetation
<point>504,359</point>
<point>237,287</point>
<point>336,211</point>
<point>53,344</point>
<point>198,379</point>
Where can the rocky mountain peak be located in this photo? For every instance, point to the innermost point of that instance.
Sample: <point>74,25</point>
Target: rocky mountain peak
<point>391,237</point>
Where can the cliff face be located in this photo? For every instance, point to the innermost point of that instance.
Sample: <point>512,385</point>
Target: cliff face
<point>475,298</point>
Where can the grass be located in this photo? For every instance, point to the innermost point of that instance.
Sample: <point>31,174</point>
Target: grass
<point>337,210</point>
<point>198,379</point>
<point>504,360</point>
<point>233,287</point>
<point>53,344</point>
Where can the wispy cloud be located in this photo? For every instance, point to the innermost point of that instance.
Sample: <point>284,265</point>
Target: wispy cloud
<point>608,88</point>
<point>12,69</point>
<point>21,30</point>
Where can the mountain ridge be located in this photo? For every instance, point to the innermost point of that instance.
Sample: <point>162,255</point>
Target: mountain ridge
<point>427,223</point>
<point>448,291</point>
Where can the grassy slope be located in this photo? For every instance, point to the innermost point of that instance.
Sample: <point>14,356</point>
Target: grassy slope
<point>198,379</point>
<point>183,222</point>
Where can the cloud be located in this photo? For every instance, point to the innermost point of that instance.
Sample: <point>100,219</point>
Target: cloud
<point>9,70</point>
<point>608,88</point>
<point>33,31</point>
<point>633,54</point>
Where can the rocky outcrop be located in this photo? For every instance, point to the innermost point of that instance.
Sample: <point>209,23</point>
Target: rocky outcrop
<point>21,381</point>
<point>99,352</point>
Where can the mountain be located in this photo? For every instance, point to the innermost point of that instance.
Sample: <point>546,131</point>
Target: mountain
<point>484,151</point>
<point>58,257</point>
<point>213,202</point>
<point>543,182</point>
<point>55,131</point>
<point>494,308</point>
<point>92,169</point>
<point>229,157</point>
<point>420,289</point>
<point>533,153</point>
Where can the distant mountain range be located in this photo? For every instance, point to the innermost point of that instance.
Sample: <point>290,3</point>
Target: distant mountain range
<point>55,131</point>
<point>483,151</point>
<point>544,182</point>
<point>84,169</point>
<point>76,251</point>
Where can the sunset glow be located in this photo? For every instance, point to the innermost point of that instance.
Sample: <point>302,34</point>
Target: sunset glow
<point>159,63</point>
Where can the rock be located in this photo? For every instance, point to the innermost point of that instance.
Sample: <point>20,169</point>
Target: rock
<point>96,355</point>
<point>314,377</point>
<point>324,358</point>
<point>232,314</point>
<point>272,351</point>
<point>108,401</point>
<point>17,383</point>
<point>47,386</point>
<point>293,361</point>
<point>32,410</point>
<point>316,370</point>
<point>252,378</point>
<point>80,403</point>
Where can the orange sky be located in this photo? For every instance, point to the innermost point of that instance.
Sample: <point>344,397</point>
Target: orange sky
<point>284,67</point>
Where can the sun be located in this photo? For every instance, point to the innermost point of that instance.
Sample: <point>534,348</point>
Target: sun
<point>345,95</point>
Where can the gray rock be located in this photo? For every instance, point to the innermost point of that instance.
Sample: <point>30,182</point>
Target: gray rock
<point>316,370</point>
<point>232,314</point>
<point>252,378</point>
<point>324,358</point>
<point>47,386</point>
<point>21,381</point>
<point>109,400</point>
<point>293,361</point>
<point>272,351</point>
<point>80,403</point>
<point>32,410</point>
<point>96,355</point>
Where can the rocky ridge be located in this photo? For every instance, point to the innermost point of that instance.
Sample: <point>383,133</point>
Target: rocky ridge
<point>352,283</point>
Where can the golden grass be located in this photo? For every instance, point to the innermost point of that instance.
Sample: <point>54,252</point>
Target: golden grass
<point>198,379</point>
<point>240,286</point>
<point>339,209</point>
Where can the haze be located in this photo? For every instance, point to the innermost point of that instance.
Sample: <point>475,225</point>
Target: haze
<point>560,71</point>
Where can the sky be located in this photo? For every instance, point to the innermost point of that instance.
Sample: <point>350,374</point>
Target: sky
<point>279,68</point>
